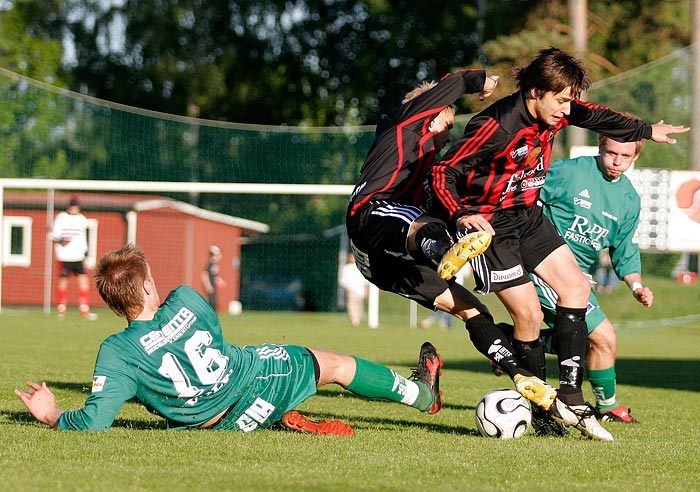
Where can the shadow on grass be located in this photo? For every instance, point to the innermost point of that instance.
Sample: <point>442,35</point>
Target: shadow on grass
<point>25,418</point>
<point>674,374</point>
<point>659,373</point>
<point>390,423</point>
<point>336,393</point>
<point>76,387</point>
<point>381,423</point>
<point>375,423</point>
<point>378,423</point>
<point>20,418</point>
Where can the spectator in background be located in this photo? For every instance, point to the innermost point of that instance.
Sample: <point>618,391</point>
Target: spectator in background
<point>70,237</point>
<point>605,276</point>
<point>443,319</point>
<point>355,286</point>
<point>211,280</point>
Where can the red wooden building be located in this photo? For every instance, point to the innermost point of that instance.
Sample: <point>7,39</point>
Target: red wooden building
<point>176,237</point>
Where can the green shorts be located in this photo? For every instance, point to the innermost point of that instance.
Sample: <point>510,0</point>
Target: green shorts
<point>548,301</point>
<point>287,379</point>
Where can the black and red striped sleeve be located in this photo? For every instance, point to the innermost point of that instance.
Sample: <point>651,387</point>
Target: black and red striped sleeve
<point>450,88</point>
<point>608,122</point>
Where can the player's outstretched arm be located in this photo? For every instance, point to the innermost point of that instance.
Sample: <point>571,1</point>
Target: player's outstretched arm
<point>660,132</point>
<point>41,403</point>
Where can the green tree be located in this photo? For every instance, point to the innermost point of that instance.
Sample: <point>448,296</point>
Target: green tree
<point>24,46</point>
<point>270,61</point>
<point>30,122</point>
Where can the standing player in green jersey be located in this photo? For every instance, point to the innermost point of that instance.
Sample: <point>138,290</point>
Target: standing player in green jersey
<point>594,206</point>
<point>173,359</point>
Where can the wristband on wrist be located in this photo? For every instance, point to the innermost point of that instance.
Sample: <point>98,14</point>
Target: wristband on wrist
<point>635,286</point>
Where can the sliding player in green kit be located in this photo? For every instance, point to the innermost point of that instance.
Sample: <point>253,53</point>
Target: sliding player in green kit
<point>173,359</point>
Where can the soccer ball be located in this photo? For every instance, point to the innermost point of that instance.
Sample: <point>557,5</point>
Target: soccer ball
<point>504,414</point>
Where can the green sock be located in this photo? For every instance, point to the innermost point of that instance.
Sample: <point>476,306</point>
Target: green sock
<point>374,380</point>
<point>603,383</point>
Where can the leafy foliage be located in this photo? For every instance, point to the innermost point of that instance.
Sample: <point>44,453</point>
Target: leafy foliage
<point>271,61</point>
<point>287,62</point>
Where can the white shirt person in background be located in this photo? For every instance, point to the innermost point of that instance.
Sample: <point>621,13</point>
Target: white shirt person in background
<point>70,237</point>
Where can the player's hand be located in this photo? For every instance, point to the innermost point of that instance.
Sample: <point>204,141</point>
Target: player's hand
<point>489,86</point>
<point>660,132</point>
<point>471,223</point>
<point>41,403</point>
<point>644,295</point>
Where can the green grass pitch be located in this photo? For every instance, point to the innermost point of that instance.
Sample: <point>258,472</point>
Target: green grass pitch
<point>395,447</point>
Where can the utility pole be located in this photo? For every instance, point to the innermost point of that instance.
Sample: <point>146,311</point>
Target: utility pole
<point>694,163</point>
<point>578,22</point>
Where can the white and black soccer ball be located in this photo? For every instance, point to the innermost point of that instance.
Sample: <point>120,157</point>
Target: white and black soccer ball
<point>504,414</point>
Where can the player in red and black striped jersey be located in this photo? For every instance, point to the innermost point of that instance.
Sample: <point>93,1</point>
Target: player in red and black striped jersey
<point>490,180</point>
<point>406,140</point>
<point>385,220</point>
<point>401,249</point>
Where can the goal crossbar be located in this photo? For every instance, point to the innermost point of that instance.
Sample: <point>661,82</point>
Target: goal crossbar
<point>176,187</point>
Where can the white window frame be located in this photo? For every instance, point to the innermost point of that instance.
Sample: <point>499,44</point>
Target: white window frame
<point>24,259</point>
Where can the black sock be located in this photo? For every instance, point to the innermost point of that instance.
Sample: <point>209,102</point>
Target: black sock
<point>493,343</point>
<point>531,357</point>
<point>433,241</point>
<point>570,335</point>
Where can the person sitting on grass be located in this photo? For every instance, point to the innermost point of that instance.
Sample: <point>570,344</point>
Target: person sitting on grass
<point>173,359</point>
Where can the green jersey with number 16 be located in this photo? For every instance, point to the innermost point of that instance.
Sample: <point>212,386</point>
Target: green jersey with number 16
<point>178,365</point>
<point>592,213</point>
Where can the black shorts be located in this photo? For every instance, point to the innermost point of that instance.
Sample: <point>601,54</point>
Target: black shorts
<point>378,233</point>
<point>524,237</point>
<point>69,268</point>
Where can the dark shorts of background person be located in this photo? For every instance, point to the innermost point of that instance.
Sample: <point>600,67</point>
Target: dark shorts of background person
<point>378,232</point>
<point>524,237</point>
<point>211,297</point>
<point>68,268</point>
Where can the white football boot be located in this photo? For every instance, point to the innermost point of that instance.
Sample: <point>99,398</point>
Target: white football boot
<point>582,417</point>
